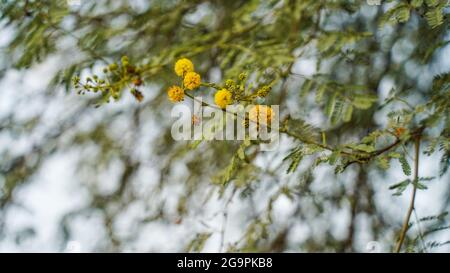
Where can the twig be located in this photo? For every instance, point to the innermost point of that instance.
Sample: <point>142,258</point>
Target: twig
<point>413,194</point>
<point>300,138</point>
<point>374,154</point>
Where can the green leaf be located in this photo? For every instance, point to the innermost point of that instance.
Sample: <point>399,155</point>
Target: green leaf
<point>403,15</point>
<point>400,187</point>
<point>295,156</point>
<point>383,162</point>
<point>434,17</point>
<point>330,105</point>
<point>439,217</point>
<point>444,163</point>
<point>405,166</point>
<point>416,3</point>
<point>333,157</point>
<point>337,112</point>
<point>197,244</point>
<point>394,155</point>
<point>419,185</point>
<point>319,93</point>
<point>306,87</point>
<point>241,153</point>
<point>303,130</point>
<point>363,101</point>
<point>397,14</point>
<point>364,147</point>
<point>347,113</point>
<point>432,3</point>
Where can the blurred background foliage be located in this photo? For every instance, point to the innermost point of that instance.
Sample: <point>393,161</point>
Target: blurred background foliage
<point>355,84</point>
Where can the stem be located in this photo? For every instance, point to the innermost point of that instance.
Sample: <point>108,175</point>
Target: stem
<point>413,195</point>
<point>298,137</point>
<point>281,130</point>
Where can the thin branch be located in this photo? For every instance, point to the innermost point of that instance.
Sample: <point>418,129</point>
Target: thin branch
<point>413,194</point>
<point>374,154</point>
<point>302,139</point>
<point>281,130</point>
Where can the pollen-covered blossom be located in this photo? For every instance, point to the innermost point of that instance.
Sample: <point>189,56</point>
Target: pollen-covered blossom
<point>192,80</point>
<point>183,66</point>
<point>223,98</point>
<point>175,93</point>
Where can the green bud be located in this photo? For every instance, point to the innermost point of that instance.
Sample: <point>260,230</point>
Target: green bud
<point>243,76</point>
<point>264,91</point>
<point>229,83</point>
<point>125,60</point>
<point>112,67</point>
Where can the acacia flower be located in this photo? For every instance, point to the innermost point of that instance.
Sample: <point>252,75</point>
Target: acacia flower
<point>261,114</point>
<point>183,66</point>
<point>175,93</point>
<point>222,98</point>
<point>191,80</point>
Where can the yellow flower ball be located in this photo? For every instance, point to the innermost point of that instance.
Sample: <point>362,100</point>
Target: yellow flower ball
<point>261,114</point>
<point>192,80</point>
<point>183,66</point>
<point>223,98</point>
<point>175,93</point>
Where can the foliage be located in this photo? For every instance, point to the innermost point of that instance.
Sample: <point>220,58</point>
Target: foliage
<point>249,52</point>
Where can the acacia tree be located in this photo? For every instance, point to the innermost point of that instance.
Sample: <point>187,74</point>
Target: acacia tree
<point>362,89</point>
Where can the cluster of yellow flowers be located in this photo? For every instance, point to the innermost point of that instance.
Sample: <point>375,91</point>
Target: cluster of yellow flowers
<point>124,74</point>
<point>223,97</point>
<point>191,80</point>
